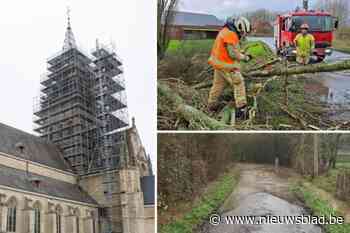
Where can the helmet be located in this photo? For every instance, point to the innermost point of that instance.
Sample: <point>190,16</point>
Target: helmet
<point>243,25</point>
<point>230,23</point>
<point>304,26</point>
<point>239,25</point>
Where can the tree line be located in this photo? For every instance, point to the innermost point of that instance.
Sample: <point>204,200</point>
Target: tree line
<point>187,162</point>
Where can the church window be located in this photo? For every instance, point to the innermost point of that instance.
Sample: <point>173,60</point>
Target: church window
<point>37,220</point>
<point>77,222</point>
<point>11,219</point>
<point>58,223</point>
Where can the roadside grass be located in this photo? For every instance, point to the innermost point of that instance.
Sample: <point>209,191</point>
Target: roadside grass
<point>210,201</point>
<point>327,182</point>
<point>319,207</point>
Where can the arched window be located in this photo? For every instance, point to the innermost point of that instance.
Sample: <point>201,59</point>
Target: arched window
<point>93,225</point>
<point>93,221</point>
<point>37,218</point>
<point>77,222</point>
<point>11,215</point>
<point>78,225</point>
<point>58,219</point>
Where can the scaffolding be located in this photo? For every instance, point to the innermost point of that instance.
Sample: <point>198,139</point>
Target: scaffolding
<point>81,106</point>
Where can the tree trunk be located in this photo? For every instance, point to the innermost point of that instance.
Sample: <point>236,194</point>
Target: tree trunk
<point>334,162</point>
<point>188,112</point>
<point>279,71</point>
<point>316,68</point>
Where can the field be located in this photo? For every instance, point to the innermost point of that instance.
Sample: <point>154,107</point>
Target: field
<point>343,161</point>
<point>189,46</point>
<point>342,40</point>
<point>341,43</point>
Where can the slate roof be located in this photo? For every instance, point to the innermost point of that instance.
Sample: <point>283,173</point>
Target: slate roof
<point>147,187</point>
<point>195,19</point>
<point>17,179</point>
<point>36,149</point>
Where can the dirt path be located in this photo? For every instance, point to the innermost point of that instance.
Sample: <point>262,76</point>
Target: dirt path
<point>261,192</point>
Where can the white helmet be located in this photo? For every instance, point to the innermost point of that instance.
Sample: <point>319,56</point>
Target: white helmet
<point>243,25</point>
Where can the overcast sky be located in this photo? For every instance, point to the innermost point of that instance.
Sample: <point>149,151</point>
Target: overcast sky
<point>225,8</point>
<point>31,31</point>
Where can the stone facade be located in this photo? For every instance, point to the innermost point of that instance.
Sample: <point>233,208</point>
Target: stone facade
<point>49,207</point>
<point>124,208</point>
<point>81,204</point>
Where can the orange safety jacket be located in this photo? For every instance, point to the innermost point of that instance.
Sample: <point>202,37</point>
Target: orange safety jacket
<point>220,58</point>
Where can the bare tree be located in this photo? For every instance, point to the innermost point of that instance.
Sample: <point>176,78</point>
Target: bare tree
<point>165,15</point>
<point>330,147</point>
<point>338,8</point>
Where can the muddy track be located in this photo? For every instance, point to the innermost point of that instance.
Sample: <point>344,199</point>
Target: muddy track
<point>261,192</point>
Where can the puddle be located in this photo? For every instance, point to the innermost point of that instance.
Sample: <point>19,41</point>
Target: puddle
<point>334,89</point>
<point>335,93</point>
<point>263,204</point>
<point>261,192</point>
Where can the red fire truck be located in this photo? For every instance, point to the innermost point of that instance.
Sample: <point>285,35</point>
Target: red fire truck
<point>322,25</point>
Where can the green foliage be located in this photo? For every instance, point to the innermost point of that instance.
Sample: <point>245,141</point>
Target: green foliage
<point>320,207</point>
<point>205,206</point>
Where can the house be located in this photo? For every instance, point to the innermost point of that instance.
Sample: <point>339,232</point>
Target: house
<point>188,25</point>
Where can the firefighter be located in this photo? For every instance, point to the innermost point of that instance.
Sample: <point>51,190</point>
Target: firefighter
<point>305,44</point>
<point>225,59</point>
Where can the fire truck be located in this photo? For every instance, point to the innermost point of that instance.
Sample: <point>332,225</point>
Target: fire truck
<point>322,26</point>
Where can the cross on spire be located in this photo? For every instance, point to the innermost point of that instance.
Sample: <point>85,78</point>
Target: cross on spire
<point>68,16</point>
<point>69,41</point>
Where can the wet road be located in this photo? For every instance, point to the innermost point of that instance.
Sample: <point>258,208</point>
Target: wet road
<point>335,86</point>
<point>260,192</point>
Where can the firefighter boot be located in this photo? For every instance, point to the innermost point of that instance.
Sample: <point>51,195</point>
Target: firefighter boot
<point>215,106</point>
<point>242,113</point>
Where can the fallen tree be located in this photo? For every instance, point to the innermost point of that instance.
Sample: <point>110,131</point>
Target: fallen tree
<point>279,70</point>
<point>182,96</point>
<point>315,68</point>
<point>266,64</point>
<point>191,114</point>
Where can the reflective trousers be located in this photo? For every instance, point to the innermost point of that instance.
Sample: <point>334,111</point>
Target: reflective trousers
<point>234,80</point>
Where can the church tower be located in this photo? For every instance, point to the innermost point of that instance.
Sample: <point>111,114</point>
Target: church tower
<point>82,106</point>
<point>82,109</point>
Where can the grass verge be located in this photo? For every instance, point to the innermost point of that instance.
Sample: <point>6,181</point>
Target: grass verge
<point>342,45</point>
<point>210,201</point>
<point>319,207</point>
<point>327,182</point>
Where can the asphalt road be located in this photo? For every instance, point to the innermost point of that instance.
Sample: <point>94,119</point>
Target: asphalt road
<point>261,192</point>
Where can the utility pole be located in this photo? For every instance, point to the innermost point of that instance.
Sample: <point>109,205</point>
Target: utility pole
<point>306,5</point>
<point>316,154</point>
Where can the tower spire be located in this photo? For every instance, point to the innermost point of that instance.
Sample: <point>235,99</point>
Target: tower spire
<point>69,41</point>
